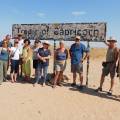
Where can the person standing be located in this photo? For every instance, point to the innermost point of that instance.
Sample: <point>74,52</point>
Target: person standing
<point>7,39</point>
<point>43,56</point>
<point>4,57</point>
<point>37,45</point>
<point>61,55</point>
<point>109,66</point>
<point>27,60</point>
<point>20,47</point>
<point>77,51</point>
<point>15,56</point>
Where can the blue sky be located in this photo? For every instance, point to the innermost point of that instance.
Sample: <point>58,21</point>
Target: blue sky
<point>55,11</point>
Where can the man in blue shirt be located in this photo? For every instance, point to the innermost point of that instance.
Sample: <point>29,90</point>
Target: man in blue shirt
<point>77,51</point>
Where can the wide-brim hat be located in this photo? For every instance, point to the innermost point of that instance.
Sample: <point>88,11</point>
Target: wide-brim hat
<point>20,34</point>
<point>46,42</point>
<point>111,39</point>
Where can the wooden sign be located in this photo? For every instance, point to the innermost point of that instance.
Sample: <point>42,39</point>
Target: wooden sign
<point>93,32</point>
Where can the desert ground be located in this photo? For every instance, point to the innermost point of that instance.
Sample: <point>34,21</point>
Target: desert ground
<point>22,101</point>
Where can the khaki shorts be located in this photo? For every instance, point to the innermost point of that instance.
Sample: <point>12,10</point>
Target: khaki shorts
<point>60,66</point>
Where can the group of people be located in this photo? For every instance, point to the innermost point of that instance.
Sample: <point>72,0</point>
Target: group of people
<point>23,55</point>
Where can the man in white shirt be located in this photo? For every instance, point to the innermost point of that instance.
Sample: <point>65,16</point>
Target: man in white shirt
<point>20,47</point>
<point>21,42</point>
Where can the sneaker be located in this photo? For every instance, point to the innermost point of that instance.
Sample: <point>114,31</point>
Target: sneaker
<point>43,85</point>
<point>109,93</point>
<point>98,89</point>
<point>73,84</point>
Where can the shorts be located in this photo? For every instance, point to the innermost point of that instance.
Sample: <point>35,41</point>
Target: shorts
<point>60,67</point>
<point>77,68</point>
<point>14,66</point>
<point>35,64</point>
<point>108,69</point>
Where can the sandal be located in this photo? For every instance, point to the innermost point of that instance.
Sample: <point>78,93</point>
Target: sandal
<point>98,89</point>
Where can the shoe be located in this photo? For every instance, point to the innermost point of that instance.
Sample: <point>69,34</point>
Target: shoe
<point>109,93</point>
<point>81,87</point>
<point>73,84</point>
<point>59,84</point>
<point>54,86</point>
<point>98,89</point>
<point>43,85</point>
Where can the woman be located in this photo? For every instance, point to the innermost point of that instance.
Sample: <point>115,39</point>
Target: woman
<point>37,45</point>
<point>43,56</point>
<point>27,60</point>
<point>61,55</point>
<point>14,56</point>
<point>4,57</point>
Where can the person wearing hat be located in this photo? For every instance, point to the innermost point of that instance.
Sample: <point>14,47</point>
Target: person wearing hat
<point>20,47</point>
<point>21,42</point>
<point>61,55</point>
<point>14,56</point>
<point>7,38</point>
<point>77,51</point>
<point>109,66</point>
<point>37,45</point>
<point>43,56</point>
<point>4,57</point>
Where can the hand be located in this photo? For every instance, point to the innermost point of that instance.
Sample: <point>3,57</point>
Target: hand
<point>44,60</point>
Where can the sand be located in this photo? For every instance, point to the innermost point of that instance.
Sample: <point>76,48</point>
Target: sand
<point>24,102</point>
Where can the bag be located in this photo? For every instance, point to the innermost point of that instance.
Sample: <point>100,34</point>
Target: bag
<point>13,53</point>
<point>104,64</point>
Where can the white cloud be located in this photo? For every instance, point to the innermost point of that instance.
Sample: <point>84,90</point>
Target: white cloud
<point>40,14</point>
<point>78,13</point>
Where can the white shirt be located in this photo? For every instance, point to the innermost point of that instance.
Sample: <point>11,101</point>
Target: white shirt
<point>20,45</point>
<point>16,52</point>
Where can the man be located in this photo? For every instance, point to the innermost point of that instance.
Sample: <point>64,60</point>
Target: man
<point>20,47</point>
<point>7,38</point>
<point>76,53</point>
<point>110,65</point>
<point>21,42</point>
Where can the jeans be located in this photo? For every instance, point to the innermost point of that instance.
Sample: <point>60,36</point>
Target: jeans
<point>38,73</point>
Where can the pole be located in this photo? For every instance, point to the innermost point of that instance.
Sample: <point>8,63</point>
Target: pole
<point>88,62</point>
<point>54,56</point>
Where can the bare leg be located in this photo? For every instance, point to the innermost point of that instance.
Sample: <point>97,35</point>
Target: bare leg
<point>56,78</point>
<point>60,77</point>
<point>81,78</point>
<point>15,77</point>
<point>12,78</point>
<point>112,84</point>
<point>102,80</point>
<point>74,77</point>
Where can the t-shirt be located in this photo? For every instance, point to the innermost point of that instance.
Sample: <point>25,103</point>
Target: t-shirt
<point>20,45</point>
<point>35,51</point>
<point>16,53</point>
<point>9,44</point>
<point>44,53</point>
<point>4,54</point>
<point>77,52</point>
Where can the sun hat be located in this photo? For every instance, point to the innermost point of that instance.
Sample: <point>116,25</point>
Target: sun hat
<point>111,39</point>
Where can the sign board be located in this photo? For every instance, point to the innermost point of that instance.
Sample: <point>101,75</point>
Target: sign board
<point>65,31</point>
